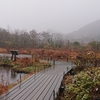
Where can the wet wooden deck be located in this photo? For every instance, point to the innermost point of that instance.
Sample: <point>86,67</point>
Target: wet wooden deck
<point>39,86</point>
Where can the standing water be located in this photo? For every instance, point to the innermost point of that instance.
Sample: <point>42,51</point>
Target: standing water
<point>7,76</point>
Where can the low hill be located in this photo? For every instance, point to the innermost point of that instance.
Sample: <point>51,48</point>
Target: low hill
<point>88,32</point>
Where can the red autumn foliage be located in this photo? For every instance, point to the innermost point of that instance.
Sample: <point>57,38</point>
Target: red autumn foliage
<point>3,89</point>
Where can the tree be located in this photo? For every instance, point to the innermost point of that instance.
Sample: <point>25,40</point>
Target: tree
<point>95,46</point>
<point>33,38</point>
<point>8,45</point>
<point>76,45</point>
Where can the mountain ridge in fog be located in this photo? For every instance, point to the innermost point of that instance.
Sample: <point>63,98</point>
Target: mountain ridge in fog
<point>88,32</point>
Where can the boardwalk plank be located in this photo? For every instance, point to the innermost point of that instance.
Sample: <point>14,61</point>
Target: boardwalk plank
<point>50,91</point>
<point>23,90</point>
<point>38,88</point>
<point>45,89</point>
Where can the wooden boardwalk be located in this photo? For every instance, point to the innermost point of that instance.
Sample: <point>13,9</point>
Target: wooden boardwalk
<point>39,86</point>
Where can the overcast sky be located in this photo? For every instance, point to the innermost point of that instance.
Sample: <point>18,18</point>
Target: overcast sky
<point>63,16</point>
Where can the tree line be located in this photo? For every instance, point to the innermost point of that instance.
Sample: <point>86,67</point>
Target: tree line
<point>33,39</point>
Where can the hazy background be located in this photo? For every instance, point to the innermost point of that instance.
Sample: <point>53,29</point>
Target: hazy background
<point>59,15</point>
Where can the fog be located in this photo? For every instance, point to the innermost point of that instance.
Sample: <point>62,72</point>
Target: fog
<point>63,16</point>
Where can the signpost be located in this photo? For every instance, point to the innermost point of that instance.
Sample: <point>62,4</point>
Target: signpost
<point>14,53</point>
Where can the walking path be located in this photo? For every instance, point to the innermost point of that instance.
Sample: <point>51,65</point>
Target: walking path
<point>40,86</point>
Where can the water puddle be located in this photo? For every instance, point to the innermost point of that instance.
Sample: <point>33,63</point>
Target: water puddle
<point>8,76</point>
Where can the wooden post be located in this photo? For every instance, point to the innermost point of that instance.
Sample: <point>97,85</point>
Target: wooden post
<point>53,94</point>
<point>12,57</point>
<point>53,62</point>
<point>20,79</point>
<point>63,73</point>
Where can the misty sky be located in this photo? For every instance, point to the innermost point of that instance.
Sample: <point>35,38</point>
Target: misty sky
<point>63,16</point>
